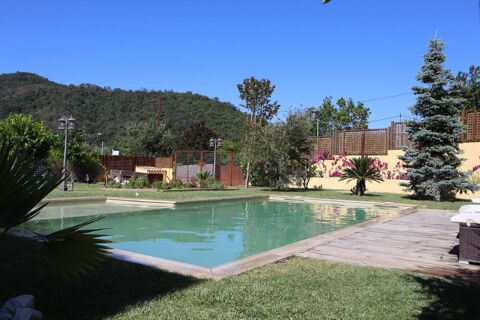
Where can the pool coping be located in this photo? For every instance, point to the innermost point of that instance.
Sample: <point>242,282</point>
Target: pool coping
<point>153,202</point>
<point>263,258</point>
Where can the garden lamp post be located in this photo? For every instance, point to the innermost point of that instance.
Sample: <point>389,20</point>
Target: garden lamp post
<point>215,142</point>
<point>100,135</point>
<point>65,124</point>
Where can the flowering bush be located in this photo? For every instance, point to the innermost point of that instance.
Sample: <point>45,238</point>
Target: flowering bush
<point>476,168</point>
<point>340,162</point>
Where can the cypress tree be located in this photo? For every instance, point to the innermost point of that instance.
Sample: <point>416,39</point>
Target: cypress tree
<point>432,163</point>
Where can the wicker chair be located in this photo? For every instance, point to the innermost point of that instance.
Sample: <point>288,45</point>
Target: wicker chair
<point>469,234</point>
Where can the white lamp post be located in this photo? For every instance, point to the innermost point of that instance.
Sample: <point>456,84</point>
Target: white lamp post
<point>100,135</point>
<point>215,142</point>
<point>65,124</point>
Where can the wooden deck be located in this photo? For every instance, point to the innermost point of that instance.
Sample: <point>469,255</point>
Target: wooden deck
<point>421,242</point>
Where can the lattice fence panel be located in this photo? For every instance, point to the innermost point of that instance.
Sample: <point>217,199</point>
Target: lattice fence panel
<point>375,142</point>
<point>473,126</point>
<point>321,144</point>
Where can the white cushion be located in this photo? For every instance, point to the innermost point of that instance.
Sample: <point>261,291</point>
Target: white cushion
<point>470,208</point>
<point>467,218</point>
<point>476,200</point>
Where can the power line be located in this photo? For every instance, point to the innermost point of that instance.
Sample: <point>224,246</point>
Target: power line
<point>377,120</point>
<point>388,97</point>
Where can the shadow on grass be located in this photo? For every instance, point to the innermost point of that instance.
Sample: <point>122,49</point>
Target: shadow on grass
<point>449,299</point>
<point>113,287</point>
<point>415,198</point>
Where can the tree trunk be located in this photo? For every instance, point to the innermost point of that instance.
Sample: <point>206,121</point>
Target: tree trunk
<point>247,177</point>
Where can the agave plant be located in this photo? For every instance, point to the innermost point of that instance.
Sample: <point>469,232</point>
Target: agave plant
<point>72,251</point>
<point>362,169</point>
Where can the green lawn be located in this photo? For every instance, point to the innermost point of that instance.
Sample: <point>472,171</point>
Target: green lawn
<point>293,289</point>
<point>82,190</point>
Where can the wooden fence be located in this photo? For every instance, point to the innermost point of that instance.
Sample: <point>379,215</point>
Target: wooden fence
<point>379,141</point>
<point>125,162</point>
<point>188,163</point>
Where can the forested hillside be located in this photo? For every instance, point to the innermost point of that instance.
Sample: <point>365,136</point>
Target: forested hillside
<point>108,110</point>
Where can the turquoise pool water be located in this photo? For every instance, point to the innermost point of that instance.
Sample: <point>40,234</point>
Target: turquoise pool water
<point>209,234</point>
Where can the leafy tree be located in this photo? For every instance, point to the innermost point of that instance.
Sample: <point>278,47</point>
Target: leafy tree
<point>362,169</point>
<point>471,87</point>
<point>146,139</point>
<point>70,251</point>
<point>32,137</point>
<point>352,116</point>
<point>283,154</point>
<point>432,163</point>
<point>345,115</point>
<point>228,145</point>
<point>196,137</point>
<point>326,115</point>
<point>256,94</point>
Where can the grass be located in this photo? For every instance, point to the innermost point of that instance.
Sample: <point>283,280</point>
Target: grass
<point>82,190</point>
<point>293,289</point>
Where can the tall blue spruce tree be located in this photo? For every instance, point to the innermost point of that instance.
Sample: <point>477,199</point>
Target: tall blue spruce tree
<point>433,163</point>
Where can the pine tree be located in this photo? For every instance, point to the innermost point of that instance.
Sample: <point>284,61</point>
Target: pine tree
<point>432,163</point>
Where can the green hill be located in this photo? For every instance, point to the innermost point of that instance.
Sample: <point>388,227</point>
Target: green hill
<point>107,110</point>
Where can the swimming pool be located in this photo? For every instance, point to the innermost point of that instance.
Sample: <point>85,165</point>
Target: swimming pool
<point>210,234</point>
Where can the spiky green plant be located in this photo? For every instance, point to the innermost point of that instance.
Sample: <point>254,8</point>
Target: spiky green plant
<point>362,169</point>
<point>23,185</point>
<point>203,178</point>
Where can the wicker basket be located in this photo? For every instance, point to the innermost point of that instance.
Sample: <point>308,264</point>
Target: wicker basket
<point>469,244</point>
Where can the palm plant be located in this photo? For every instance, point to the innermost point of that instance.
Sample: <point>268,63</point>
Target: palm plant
<point>362,169</point>
<point>72,251</point>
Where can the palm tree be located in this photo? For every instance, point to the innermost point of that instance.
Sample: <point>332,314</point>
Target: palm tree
<point>23,184</point>
<point>361,170</point>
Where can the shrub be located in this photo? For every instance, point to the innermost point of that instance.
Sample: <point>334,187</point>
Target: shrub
<point>159,185</point>
<point>204,178</point>
<point>175,184</point>
<point>139,183</point>
<point>194,182</point>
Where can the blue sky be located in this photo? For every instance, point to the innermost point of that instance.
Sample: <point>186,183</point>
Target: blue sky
<point>351,48</point>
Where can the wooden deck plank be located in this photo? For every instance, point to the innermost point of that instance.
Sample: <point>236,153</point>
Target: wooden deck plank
<point>420,241</point>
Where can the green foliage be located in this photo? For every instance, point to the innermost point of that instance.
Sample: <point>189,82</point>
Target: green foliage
<point>345,115</point>
<point>256,94</point>
<point>70,251</point>
<point>196,137</point>
<point>107,110</point>
<point>471,87</point>
<point>203,178</point>
<point>139,183</point>
<point>361,170</point>
<point>159,185</point>
<point>283,154</point>
<point>432,163</point>
<point>176,184</point>
<point>228,145</point>
<point>146,139</point>
<point>30,136</point>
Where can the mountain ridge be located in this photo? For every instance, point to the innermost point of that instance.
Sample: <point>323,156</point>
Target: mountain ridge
<point>106,110</point>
